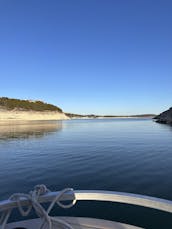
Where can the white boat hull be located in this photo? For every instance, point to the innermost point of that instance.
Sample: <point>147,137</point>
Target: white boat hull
<point>75,222</point>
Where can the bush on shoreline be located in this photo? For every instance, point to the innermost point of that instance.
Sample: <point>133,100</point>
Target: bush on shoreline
<point>27,105</point>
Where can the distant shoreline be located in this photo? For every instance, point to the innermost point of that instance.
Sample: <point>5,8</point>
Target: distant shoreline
<point>85,118</point>
<point>76,116</point>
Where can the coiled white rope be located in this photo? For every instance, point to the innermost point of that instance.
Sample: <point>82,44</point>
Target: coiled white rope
<point>33,197</point>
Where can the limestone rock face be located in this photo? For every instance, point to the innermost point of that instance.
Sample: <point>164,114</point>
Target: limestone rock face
<point>165,117</point>
<point>6,115</point>
<point>18,110</point>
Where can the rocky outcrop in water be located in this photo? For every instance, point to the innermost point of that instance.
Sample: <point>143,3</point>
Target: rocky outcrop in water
<point>165,117</point>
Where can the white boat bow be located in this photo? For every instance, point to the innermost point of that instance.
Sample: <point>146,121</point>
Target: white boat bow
<point>42,195</point>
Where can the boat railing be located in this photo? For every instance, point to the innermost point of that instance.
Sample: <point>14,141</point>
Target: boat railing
<point>94,195</point>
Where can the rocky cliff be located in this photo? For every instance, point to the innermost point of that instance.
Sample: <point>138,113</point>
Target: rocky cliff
<point>17,109</point>
<point>6,115</point>
<point>165,117</point>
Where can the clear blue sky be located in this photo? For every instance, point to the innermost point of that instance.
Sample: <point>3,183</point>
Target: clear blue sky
<point>88,56</point>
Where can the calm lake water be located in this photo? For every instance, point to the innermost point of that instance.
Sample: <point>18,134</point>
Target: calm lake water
<point>127,155</point>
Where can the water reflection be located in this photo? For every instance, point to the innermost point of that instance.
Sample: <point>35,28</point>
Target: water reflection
<point>28,129</point>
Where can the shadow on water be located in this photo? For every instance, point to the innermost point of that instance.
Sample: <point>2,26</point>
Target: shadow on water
<point>165,126</point>
<point>28,129</point>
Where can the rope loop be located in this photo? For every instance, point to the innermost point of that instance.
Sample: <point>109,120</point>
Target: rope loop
<point>57,200</point>
<point>61,194</point>
<point>18,197</point>
<point>33,199</point>
<point>41,189</point>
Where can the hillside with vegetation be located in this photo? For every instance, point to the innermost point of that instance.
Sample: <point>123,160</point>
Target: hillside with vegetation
<point>26,105</point>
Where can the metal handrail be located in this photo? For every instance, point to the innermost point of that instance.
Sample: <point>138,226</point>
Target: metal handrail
<point>90,195</point>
